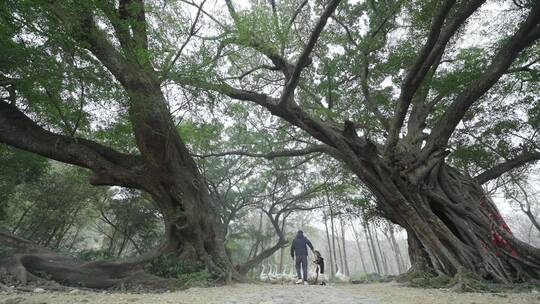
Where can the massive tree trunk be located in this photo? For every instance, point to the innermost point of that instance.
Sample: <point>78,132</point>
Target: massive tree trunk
<point>454,226</point>
<point>165,169</point>
<point>450,220</point>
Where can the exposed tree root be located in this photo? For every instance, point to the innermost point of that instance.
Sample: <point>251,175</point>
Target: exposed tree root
<point>30,263</point>
<point>463,281</point>
<point>467,282</point>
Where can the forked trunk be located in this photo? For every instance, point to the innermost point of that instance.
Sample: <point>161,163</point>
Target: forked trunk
<point>192,226</point>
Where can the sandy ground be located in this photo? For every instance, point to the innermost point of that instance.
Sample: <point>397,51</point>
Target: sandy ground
<point>279,294</point>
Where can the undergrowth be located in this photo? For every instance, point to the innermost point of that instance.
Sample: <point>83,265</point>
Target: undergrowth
<point>362,278</point>
<point>189,275</point>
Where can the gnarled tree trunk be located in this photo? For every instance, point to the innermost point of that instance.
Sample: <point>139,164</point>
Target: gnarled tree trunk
<point>454,226</point>
<point>164,168</point>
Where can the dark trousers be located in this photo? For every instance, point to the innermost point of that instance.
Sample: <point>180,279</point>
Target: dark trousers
<point>301,260</point>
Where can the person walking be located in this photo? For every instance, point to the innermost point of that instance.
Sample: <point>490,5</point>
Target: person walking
<point>300,252</point>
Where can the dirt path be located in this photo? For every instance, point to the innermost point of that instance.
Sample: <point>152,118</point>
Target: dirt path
<point>393,293</point>
<point>389,293</point>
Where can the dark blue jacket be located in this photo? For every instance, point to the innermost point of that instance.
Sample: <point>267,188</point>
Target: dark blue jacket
<point>299,245</point>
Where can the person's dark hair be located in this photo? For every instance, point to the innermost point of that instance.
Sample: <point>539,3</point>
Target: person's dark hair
<point>317,253</point>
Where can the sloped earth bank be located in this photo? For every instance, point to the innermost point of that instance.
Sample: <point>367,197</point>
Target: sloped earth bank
<point>380,293</point>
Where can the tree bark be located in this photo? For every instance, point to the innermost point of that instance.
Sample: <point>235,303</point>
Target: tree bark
<point>453,226</point>
<point>165,168</point>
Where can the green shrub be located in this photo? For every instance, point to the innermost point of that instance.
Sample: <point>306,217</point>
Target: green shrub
<point>361,278</point>
<point>170,266</point>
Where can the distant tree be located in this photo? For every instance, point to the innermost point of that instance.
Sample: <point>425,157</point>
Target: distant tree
<point>18,167</point>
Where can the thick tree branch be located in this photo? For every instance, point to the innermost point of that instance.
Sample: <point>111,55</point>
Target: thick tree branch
<point>271,155</point>
<point>372,106</point>
<point>132,12</point>
<point>439,36</point>
<point>420,111</point>
<point>303,60</point>
<point>527,33</point>
<point>321,131</point>
<point>115,62</point>
<point>129,67</point>
<point>500,169</point>
<point>110,167</point>
<point>256,260</point>
<point>263,48</point>
<point>139,25</point>
<point>121,28</point>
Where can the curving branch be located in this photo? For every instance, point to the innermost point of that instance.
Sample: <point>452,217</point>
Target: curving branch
<point>502,168</point>
<point>193,30</point>
<point>279,61</point>
<point>256,260</point>
<point>132,12</point>
<point>271,155</point>
<point>296,13</point>
<point>109,166</point>
<point>524,68</point>
<point>304,59</point>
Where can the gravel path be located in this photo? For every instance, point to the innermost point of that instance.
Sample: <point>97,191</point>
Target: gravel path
<point>236,294</point>
<point>387,293</point>
<point>291,294</point>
